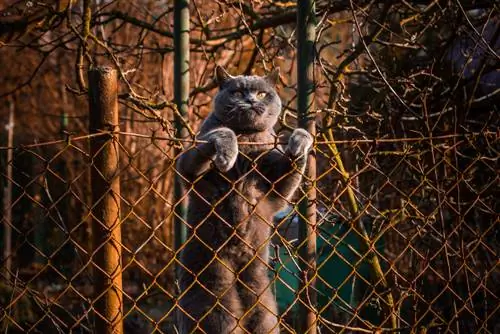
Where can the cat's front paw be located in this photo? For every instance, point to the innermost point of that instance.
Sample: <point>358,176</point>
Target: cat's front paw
<point>300,143</point>
<point>226,148</point>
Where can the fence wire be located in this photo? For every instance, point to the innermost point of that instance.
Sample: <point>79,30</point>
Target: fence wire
<point>436,240</point>
<point>406,156</point>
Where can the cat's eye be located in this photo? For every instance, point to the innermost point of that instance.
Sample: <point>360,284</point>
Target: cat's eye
<point>237,94</point>
<point>261,95</point>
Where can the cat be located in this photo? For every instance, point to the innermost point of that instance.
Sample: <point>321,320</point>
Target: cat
<point>234,193</point>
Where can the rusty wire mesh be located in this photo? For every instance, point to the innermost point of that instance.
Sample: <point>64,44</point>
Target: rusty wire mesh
<point>406,153</point>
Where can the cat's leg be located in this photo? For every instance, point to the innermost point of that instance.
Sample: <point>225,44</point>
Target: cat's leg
<point>261,310</point>
<point>210,302</point>
<point>264,319</point>
<point>201,312</point>
<point>221,148</point>
<point>284,169</point>
<point>203,315</point>
<point>222,320</point>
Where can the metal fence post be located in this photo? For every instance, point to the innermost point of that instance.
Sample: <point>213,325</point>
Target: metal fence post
<point>181,96</point>
<point>103,109</point>
<point>306,35</point>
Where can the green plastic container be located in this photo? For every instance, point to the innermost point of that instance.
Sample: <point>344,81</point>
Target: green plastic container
<point>338,288</point>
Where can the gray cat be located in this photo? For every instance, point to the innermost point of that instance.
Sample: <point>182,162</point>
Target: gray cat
<point>234,192</point>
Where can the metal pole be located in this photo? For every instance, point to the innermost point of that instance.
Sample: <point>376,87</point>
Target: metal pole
<point>306,34</point>
<point>105,180</point>
<point>7,196</point>
<point>181,96</point>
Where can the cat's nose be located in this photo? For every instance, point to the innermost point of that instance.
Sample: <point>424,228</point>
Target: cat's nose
<point>252,103</point>
<point>249,98</point>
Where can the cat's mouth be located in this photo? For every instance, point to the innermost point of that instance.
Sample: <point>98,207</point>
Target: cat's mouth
<point>258,110</point>
<point>250,108</point>
<point>246,118</point>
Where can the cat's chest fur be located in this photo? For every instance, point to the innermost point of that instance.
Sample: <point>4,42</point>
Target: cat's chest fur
<point>234,205</point>
<point>245,183</point>
<point>240,189</point>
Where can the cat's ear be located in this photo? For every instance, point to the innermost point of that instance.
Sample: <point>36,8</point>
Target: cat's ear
<point>221,75</point>
<point>274,76</point>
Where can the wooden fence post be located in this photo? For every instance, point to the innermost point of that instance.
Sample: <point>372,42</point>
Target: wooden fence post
<point>105,180</point>
<point>306,35</point>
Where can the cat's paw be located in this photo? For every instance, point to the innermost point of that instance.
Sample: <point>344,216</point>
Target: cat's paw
<point>226,148</point>
<point>300,143</point>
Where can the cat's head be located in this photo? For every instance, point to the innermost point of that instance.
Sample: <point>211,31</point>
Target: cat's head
<point>247,103</point>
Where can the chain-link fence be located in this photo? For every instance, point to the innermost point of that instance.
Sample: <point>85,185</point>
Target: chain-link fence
<point>393,229</point>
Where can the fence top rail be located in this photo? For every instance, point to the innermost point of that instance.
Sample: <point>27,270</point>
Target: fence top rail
<point>154,137</point>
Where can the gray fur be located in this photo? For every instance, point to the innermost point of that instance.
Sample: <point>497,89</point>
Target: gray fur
<point>234,193</point>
